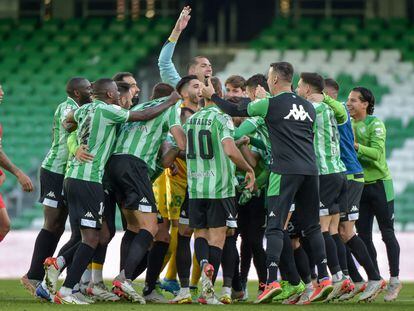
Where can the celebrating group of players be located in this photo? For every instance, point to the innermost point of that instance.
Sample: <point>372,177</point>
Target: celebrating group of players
<point>261,160</point>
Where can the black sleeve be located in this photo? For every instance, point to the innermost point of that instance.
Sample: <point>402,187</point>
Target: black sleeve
<point>234,110</point>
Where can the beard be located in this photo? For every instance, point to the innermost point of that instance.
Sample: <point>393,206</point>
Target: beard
<point>135,101</point>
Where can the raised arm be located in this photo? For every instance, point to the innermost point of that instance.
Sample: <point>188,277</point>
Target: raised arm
<point>168,72</point>
<point>338,108</point>
<point>152,112</point>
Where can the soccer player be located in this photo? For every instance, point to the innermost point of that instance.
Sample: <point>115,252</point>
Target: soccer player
<point>189,88</point>
<point>95,286</point>
<point>211,152</point>
<point>24,181</point>
<point>134,155</point>
<point>83,189</point>
<point>52,173</point>
<point>355,184</point>
<point>378,195</point>
<point>235,86</point>
<point>294,173</point>
<point>129,78</point>
<point>332,180</point>
<point>199,65</point>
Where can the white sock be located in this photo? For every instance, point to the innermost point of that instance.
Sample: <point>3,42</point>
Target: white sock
<point>86,276</point>
<point>97,276</point>
<point>337,276</point>
<point>60,262</point>
<point>394,279</point>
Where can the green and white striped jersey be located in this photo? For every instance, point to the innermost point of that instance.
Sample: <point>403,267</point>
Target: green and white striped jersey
<point>210,172</point>
<point>57,157</point>
<point>96,128</point>
<point>143,139</point>
<point>326,141</point>
<point>262,133</point>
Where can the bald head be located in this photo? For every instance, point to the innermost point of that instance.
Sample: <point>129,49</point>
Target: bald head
<point>106,90</point>
<point>80,90</point>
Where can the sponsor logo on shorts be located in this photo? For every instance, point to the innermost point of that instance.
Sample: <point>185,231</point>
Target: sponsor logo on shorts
<point>51,194</point>
<point>354,208</point>
<point>88,215</point>
<point>145,208</point>
<point>144,200</point>
<point>273,264</point>
<point>321,205</point>
<point>88,223</point>
<point>272,214</point>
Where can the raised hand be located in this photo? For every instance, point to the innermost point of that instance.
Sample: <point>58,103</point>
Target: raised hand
<point>260,92</point>
<point>182,21</point>
<point>208,90</point>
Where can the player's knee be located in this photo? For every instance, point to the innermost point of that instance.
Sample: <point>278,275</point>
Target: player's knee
<point>91,238</point>
<point>185,231</point>
<point>230,232</point>
<point>345,233</point>
<point>151,228</point>
<point>295,243</point>
<point>163,235</point>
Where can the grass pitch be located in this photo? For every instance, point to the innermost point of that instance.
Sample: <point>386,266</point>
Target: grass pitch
<point>14,297</point>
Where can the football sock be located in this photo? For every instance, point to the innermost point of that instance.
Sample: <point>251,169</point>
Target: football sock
<point>155,260</point>
<point>45,246</point>
<point>139,246</point>
<point>183,260</point>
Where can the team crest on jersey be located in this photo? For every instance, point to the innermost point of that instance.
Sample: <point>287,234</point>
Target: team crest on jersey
<point>298,113</point>
<point>230,124</point>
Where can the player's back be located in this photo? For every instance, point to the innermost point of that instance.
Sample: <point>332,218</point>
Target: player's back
<point>210,173</point>
<point>143,138</point>
<point>326,143</point>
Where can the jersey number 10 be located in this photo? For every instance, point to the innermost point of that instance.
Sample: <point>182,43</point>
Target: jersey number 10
<point>205,144</point>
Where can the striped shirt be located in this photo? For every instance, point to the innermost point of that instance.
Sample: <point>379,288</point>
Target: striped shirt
<point>57,157</point>
<point>96,128</point>
<point>210,172</point>
<point>143,139</point>
<point>326,141</point>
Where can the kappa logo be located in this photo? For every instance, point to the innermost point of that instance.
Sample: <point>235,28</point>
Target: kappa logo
<point>88,215</point>
<point>354,208</point>
<point>273,264</point>
<point>51,194</point>
<point>272,214</point>
<point>298,114</point>
<point>321,204</point>
<point>144,200</point>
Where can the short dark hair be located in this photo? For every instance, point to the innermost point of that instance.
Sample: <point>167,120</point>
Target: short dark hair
<point>194,61</point>
<point>73,84</point>
<point>313,79</point>
<point>161,90</point>
<point>258,79</point>
<point>236,81</point>
<point>121,75</point>
<point>215,81</point>
<point>123,87</point>
<point>100,86</point>
<point>184,81</point>
<point>284,70</point>
<point>329,82</point>
<point>366,96</point>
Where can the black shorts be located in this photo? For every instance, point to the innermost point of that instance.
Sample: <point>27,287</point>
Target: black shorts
<point>293,227</point>
<point>354,192</point>
<point>51,186</point>
<point>332,189</point>
<point>212,213</point>
<point>129,179</point>
<point>252,214</point>
<point>284,190</point>
<point>184,216</point>
<point>85,201</point>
